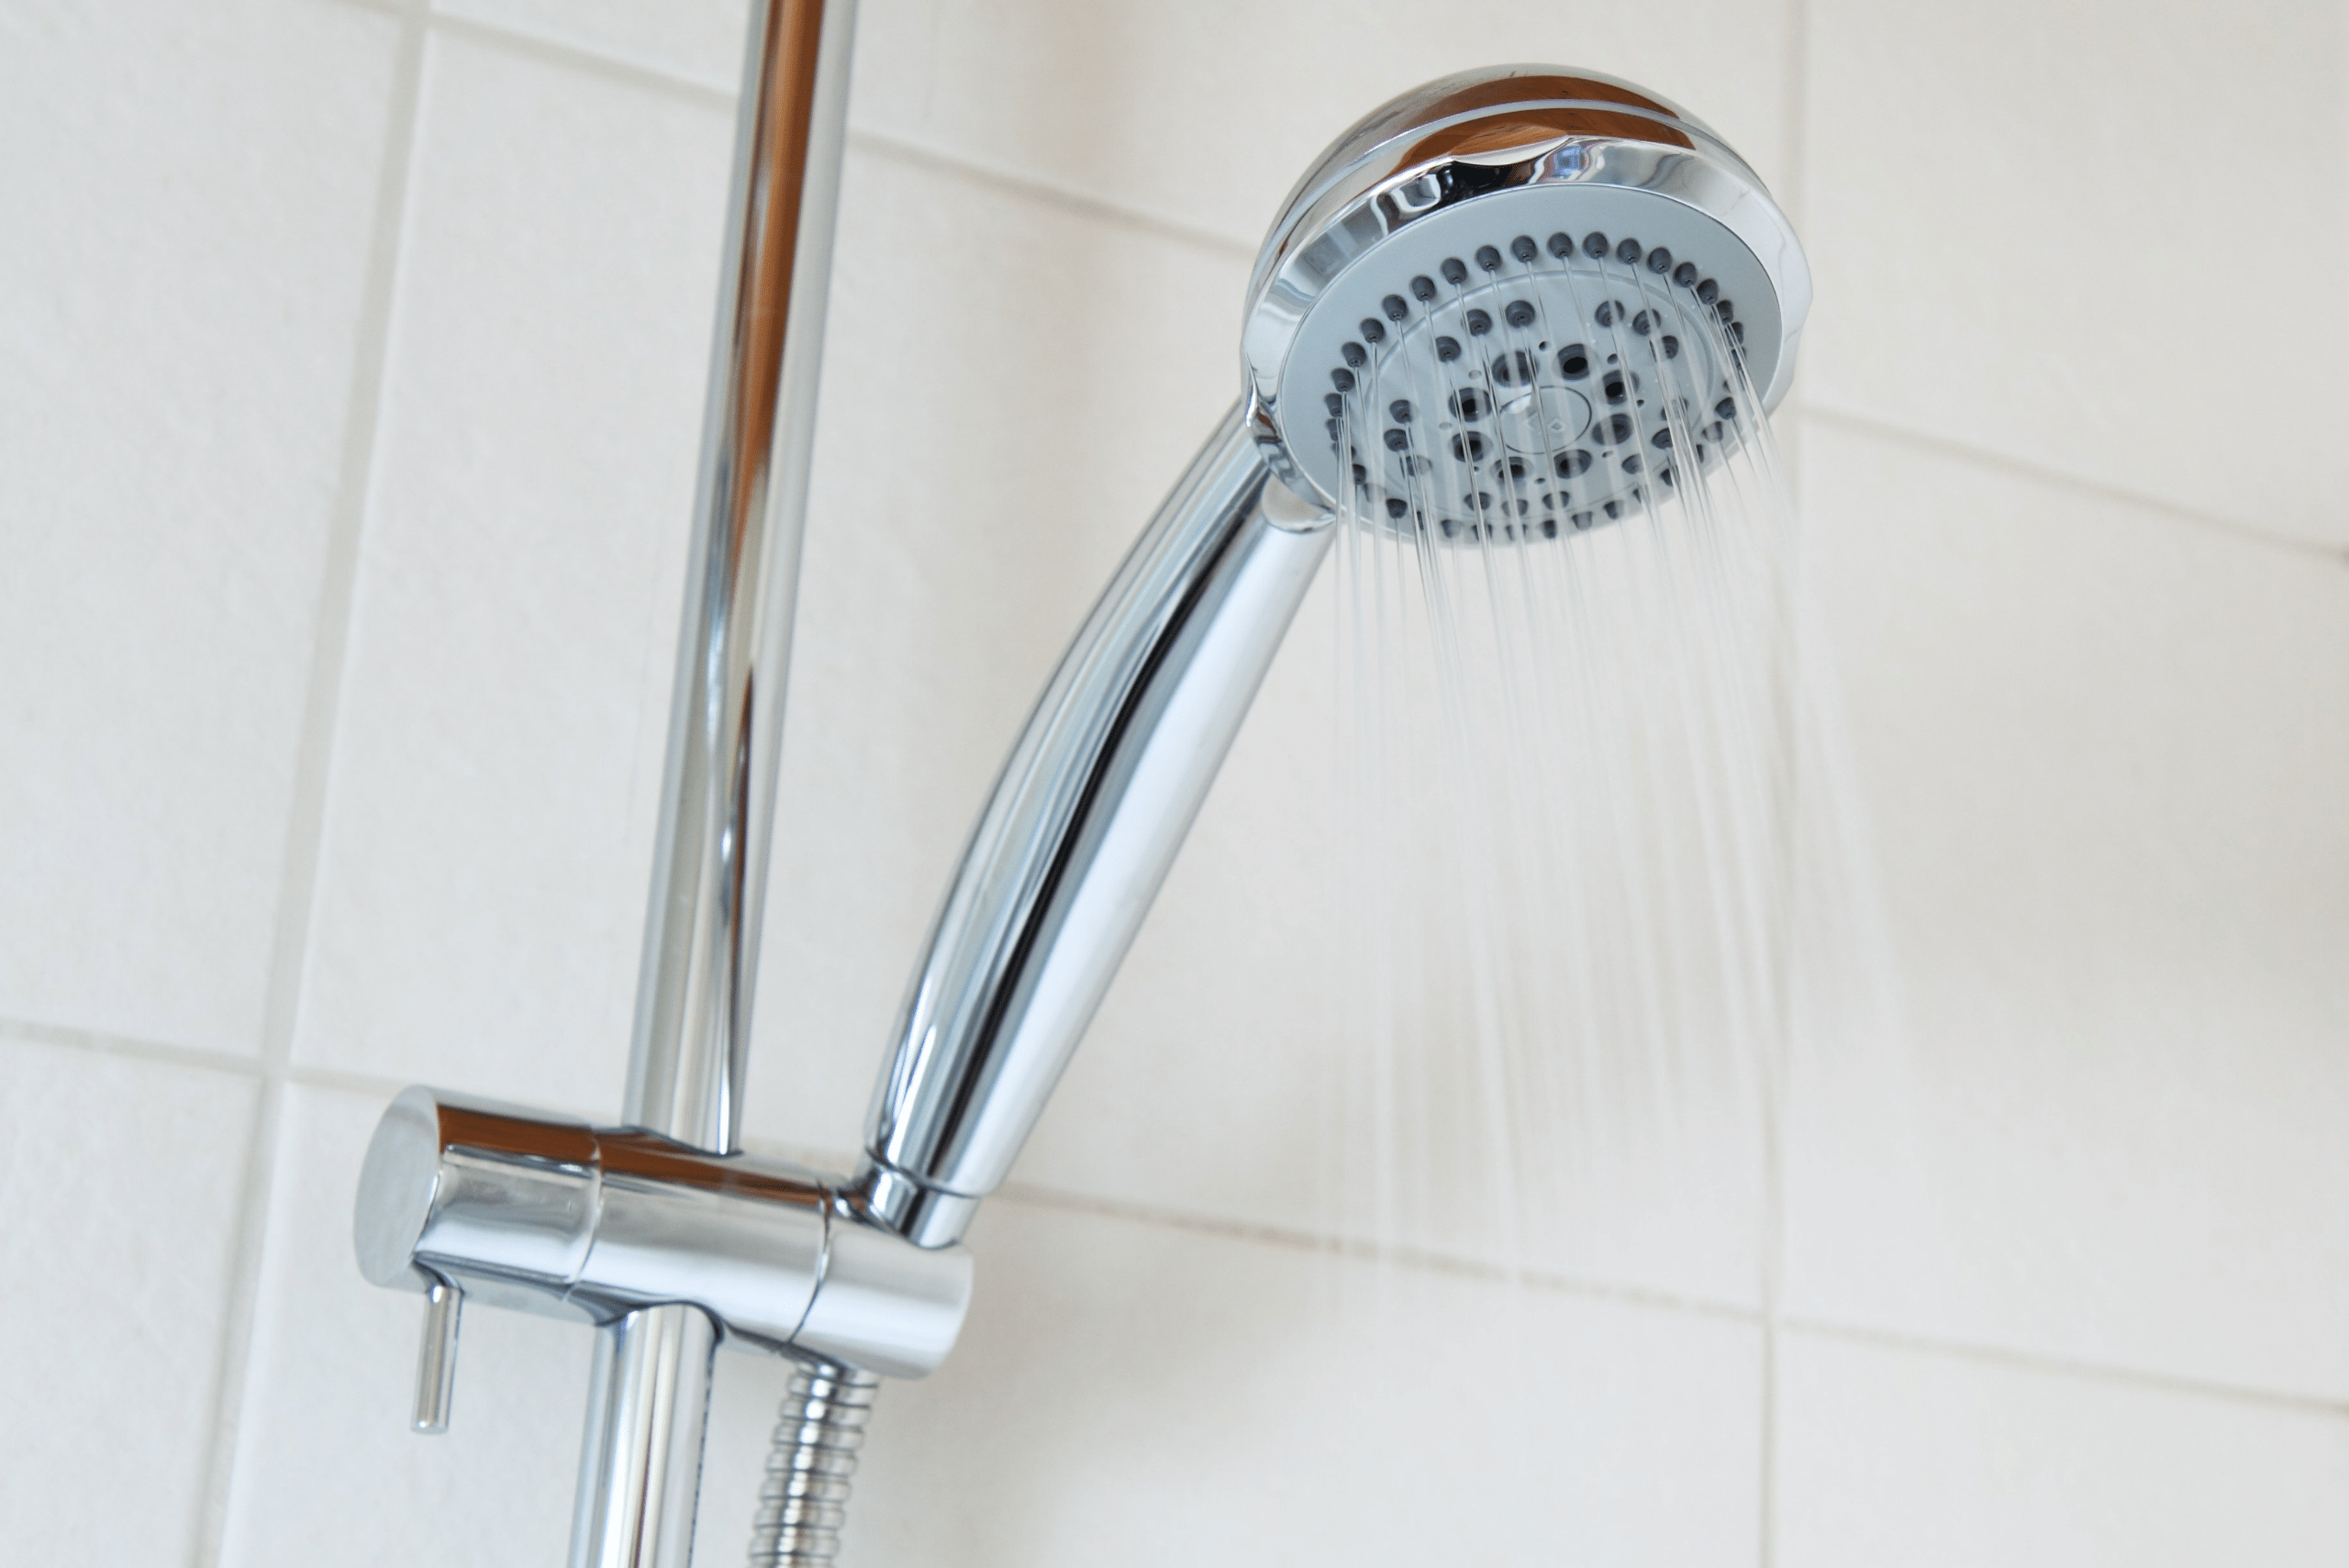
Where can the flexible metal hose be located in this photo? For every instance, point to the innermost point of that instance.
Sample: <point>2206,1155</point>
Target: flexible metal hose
<point>804,1497</point>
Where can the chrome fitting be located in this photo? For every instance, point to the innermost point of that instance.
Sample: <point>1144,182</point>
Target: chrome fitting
<point>898,1203</point>
<point>462,1196</point>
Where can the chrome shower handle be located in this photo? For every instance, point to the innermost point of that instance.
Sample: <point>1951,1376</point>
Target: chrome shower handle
<point>1085,821</point>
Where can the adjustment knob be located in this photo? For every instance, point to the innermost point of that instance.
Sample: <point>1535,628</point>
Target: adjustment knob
<point>436,1359</point>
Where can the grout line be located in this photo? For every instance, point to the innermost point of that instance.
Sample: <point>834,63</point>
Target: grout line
<point>98,1042</point>
<point>312,766</point>
<point>197,1058</point>
<point>345,1081</point>
<point>1981,457</point>
<point>1773,1320</point>
<point>1063,199</point>
<point>2047,1365</point>
<point>585,58</point>
<point>1778,1086</point>
<point>1293,1239</point>
<point>1032,1195</point>
<point>1796,154</point>
<point>1419,1259</point>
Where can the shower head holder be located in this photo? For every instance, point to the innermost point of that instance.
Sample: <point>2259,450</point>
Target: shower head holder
<point>461,1197</point>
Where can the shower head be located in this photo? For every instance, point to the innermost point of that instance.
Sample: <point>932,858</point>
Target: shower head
<point>1519,290</point>
<point>1508,302</point>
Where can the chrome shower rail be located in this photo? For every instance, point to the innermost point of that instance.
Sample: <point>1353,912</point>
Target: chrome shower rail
<point>660,1231</point>
<point>641,1467</point>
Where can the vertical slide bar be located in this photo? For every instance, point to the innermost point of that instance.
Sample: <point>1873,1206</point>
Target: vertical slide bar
<point>648,1405</point>
<point>695,991</point>
<point>640,1470</point>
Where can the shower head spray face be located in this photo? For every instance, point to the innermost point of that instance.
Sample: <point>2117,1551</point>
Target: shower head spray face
<point>1515,300</point>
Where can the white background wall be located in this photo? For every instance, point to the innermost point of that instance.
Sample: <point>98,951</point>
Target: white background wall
<point>351,359</point>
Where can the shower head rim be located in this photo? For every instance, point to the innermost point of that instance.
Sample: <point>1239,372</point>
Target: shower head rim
<point>1367,154</point>
<point>1405,162</point>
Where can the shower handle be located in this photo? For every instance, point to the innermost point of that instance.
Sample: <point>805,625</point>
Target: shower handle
<point>1086,816</point>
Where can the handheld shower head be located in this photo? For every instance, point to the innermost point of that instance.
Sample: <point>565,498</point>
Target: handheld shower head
<point>1523,282</point>
<point>1518,288</point>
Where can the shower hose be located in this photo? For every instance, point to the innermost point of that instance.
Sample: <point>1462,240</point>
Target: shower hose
<point>805,1496</point>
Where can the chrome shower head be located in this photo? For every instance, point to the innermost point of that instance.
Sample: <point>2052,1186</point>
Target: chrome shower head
<point>1503,297</point>
<point>1523,291</point>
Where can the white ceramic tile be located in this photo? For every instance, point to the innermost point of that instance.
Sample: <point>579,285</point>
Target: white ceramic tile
<point>1009,392</point>
<point>326,1468</point>
<point>1896,1456</point>
<point>1134,1394</point>
<point>120,1180</point>
<point>499,753</point>
<point>2026,240</point>
<point>1201,114</point>
<point>2103,753</point>
<point>191,195</point>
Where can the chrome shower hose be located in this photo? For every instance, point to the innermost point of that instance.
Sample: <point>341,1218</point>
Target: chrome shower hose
<point>804,1497</point>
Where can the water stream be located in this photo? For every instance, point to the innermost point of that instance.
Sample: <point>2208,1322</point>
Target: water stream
<point>1566,660</point>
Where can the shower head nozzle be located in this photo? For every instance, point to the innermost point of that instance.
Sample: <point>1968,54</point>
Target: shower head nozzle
<point>1525,284</point>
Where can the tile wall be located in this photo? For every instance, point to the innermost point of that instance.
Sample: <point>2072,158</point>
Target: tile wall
<point>350,367</point>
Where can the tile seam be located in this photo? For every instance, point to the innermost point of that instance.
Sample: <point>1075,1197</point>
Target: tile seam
<point>100,1042</point>
<point>1416,1260</point>
<point>1060,1200</point>
<point>1036,1195</point>
<point>1292,1239</point>
<point>2047,1365</point>
<point>1797,131</point>
<point>1980,457</point>
<point>330,632</point>
<point>344,1081</point>
<point>1067,199</point>
<point>549,50</point>
<point>359,1081</point>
